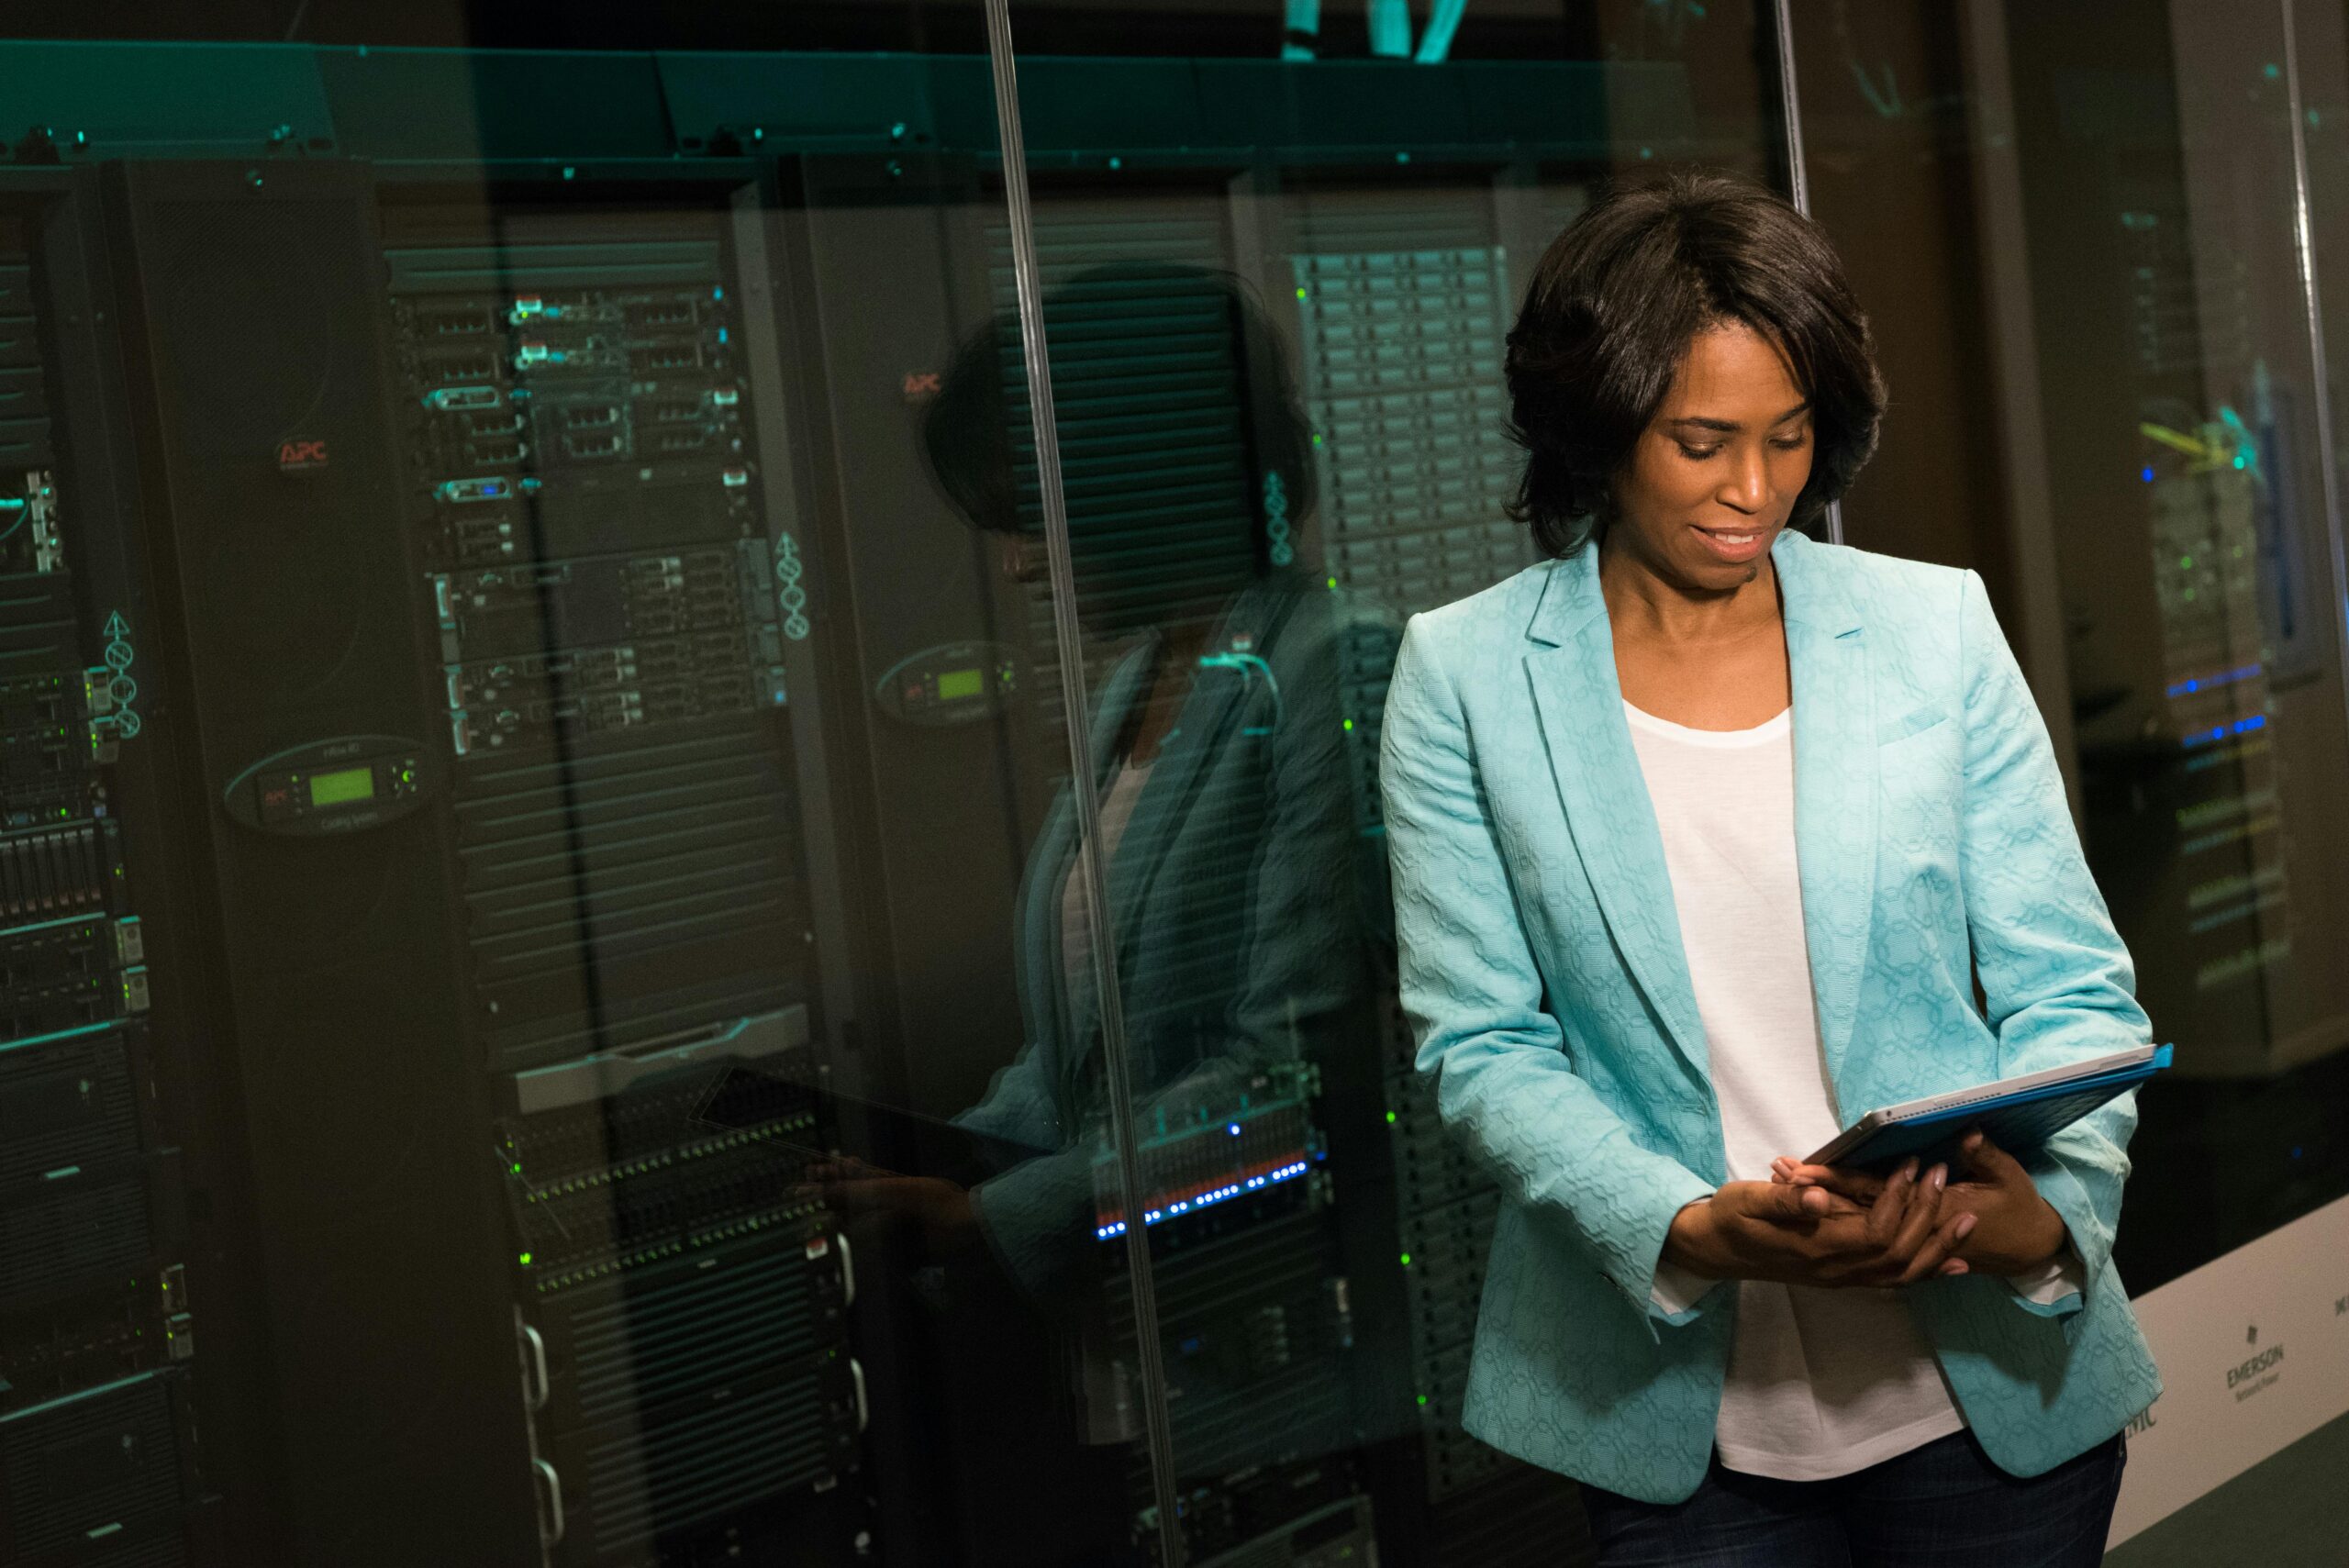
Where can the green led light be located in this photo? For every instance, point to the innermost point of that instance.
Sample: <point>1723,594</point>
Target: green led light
<point>526,1257</point>
<point>1390,1116</point>
<point>1349,724</point>
<point>2185,563</point>
<point>1407,1260</point>
<point>1423,1398</point>
<point>517,1170</point>
<point>1333,582</point>
<point>1300,290</point>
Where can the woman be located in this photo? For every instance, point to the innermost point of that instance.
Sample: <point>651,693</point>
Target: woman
<point>1701,833</point>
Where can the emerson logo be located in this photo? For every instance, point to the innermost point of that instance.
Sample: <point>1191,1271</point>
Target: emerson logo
<point>2255,1374</point>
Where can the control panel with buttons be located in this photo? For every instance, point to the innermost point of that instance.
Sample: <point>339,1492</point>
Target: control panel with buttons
<point>340,785</point>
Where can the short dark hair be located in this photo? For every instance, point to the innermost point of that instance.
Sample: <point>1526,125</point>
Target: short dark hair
<point>1181,319</point>
<point>1615,303</point>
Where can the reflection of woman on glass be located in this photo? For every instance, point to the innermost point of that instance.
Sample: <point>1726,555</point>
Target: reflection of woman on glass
<point>1238,896</point>
<point>1226,810</point>
<point>1701,833</point>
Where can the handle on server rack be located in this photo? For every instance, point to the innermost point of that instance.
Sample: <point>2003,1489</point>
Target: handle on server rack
<point>847,1272</point>
<point>606,1073</point>
<point>541,1387</point>
<point>856,1375</point>
<point>551,1520</point>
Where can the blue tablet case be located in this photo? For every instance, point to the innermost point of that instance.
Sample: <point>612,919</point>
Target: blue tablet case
<point>2019,1123</point>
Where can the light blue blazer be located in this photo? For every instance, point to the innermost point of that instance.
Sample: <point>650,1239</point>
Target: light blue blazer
<point>1544,977</point>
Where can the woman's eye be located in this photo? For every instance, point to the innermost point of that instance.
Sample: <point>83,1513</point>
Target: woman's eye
<point>1791,443</point>
<point>1697,454</point>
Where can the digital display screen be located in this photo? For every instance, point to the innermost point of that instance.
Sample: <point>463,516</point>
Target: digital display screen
<point>343,786</point>
<point>955,683</point>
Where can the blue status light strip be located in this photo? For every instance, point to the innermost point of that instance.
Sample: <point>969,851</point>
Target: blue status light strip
<point>1217,1194</point>
<point>2220,731</point>
<point>2210,682</point>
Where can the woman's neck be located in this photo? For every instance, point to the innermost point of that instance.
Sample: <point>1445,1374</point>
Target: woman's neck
<point>1160,701</point>
<point>1647,605</point>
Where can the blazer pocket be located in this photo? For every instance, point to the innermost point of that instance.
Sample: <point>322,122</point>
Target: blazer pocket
<point>1909,724</point>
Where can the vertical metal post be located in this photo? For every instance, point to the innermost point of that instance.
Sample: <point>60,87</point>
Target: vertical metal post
<point>1082,785</point>
<point>2013,345</point>
<point>2320,368</point>
<point>1781,23</point>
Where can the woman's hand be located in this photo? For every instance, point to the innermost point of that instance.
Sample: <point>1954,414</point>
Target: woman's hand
<point>2016,1230</point>
<point>1803,1235</point>
<point>868,1195</point>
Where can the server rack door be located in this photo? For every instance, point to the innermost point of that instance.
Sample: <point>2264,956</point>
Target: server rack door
<point>297,661</point>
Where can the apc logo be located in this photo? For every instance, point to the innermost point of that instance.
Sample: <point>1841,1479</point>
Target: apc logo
<point>920,386</point>
<point>301,456</point>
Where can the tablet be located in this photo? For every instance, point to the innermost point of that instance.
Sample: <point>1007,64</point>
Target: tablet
<point>2020,1115</point>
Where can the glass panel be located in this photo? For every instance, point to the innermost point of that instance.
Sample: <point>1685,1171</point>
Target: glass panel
<point>1275,298</point>
<point>2195,563</point>
<point>532,889</point>
<point>2106,399</point>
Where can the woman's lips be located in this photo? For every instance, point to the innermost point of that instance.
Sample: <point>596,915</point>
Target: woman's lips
<point>1735,546</point>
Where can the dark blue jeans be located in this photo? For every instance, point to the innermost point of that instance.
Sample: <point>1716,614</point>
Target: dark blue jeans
<point>1941,1505</point>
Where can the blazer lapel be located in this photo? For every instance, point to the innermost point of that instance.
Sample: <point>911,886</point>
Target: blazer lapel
<point>1203,730</point>
<point>1165,797</point>
<point>1835,785</point>
<point>1606,798</point>
<point>1120,689</point>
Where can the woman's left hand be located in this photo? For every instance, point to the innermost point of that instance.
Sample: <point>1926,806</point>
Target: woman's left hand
<point>2015,1230</point>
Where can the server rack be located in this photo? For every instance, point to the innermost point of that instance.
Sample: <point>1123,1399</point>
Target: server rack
<point>102,1452</point>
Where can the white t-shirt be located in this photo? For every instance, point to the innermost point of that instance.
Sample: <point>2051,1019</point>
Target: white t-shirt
<point>1821,1382</point>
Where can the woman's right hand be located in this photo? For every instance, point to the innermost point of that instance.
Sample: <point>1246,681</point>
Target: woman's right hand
<point>1771,1230</point>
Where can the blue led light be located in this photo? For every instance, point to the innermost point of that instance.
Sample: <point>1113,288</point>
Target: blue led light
<point>1235,1129</point>
<point>2210,682</point>
<point>2147,474</point>
<point>2220,731</point>
<point>1200,1200</point>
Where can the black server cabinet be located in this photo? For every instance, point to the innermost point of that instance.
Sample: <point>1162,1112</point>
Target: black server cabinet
<point>294,660</point>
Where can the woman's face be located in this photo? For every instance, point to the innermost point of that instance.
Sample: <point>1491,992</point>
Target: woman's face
<point>1714,476</point>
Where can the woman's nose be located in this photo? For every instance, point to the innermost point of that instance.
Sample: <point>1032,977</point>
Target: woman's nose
<point>1747,486</point>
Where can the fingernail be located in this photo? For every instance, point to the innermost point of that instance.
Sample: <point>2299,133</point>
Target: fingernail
<point>1966,1226</point>
<point>1940,1174</point>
